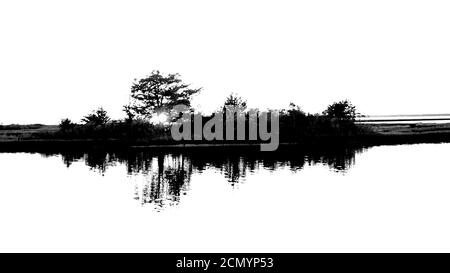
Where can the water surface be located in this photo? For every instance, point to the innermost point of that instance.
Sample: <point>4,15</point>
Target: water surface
<point>385,198</point>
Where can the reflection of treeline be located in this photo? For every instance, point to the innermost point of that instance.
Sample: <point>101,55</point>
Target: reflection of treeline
<point>233,163</point>
<point>162,178</point>
<point>153,97</point>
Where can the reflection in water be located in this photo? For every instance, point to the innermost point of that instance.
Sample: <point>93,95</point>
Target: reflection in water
<point>162,178</point>
<point>166,178</point>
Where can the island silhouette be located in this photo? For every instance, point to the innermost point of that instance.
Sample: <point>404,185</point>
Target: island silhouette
<point>148,119</point>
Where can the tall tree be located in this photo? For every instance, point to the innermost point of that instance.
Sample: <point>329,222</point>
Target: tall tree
<point>158,93</point>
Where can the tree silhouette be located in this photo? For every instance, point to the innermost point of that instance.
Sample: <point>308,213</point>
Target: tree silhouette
<point>235,101</point>
<point>158,93</point>
<point>66,124</point>
<point>98,117</point>
<point>342,110</point>
<point>295,110</point>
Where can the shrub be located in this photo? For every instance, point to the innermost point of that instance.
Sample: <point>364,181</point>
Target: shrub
<point>66,125</point>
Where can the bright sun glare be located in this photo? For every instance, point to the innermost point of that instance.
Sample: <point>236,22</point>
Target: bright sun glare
<point>160,118</point>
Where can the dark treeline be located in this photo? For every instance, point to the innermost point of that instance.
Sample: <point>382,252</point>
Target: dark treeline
<point>157,94</point>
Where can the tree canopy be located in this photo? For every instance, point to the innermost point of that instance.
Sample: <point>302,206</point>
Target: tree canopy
<point>343,110</point>
<point>158,93</point>
<point>66,124</point>
<point>98,117</point>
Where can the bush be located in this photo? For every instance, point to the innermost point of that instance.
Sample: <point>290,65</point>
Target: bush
<point>66,125</point>
<point>342,110</point>
<point>98,117</point>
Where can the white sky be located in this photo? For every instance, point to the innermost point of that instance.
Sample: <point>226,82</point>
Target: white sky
<point>63,59</point>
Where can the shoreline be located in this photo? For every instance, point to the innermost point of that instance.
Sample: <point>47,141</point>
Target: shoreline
<point>383,134</point>
<point>118,145</point>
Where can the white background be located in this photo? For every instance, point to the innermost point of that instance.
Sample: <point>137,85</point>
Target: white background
<point>63,58</point>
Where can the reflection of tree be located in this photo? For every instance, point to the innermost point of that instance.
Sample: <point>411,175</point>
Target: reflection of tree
<point>233,166</point>
<point>99,161</point>
<point>339,159</point>
<point>234,170</point>
<point>166,178</point>
<point>162,178</point>
<point>69,158</point>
